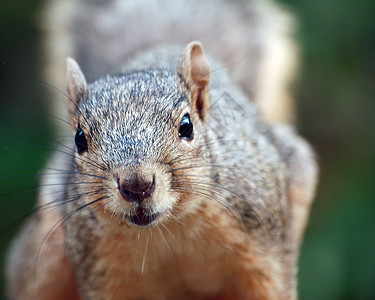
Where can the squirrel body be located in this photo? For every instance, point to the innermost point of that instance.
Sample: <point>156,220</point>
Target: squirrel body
<point>176,188</point>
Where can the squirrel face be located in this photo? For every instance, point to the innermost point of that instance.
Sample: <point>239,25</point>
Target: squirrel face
<point>138,136</point>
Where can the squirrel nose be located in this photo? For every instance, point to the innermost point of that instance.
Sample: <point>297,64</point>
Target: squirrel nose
<point>136,191</point>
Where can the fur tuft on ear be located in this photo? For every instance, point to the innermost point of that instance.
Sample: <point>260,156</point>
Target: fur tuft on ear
<point>195,71</point>
<point>76,87</point>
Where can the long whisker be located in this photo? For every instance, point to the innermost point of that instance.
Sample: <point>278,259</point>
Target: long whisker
<point>206,195</point>
<point>207,184</point>
<point>48,238</point>
<point>145,254</point>
<point>166,228</point>
<point>163,238</point>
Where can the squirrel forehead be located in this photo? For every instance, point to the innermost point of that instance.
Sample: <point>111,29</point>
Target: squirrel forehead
<point>147,96</point>
<point>138,91</point>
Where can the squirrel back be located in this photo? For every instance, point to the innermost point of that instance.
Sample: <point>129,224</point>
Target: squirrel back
<point>252,39</point>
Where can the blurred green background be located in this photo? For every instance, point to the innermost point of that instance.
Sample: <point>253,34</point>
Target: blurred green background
<point>336,112</point>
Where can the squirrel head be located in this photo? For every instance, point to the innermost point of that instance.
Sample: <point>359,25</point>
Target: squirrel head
<point>137,135</point>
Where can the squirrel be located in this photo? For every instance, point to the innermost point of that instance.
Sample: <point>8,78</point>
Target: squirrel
<point>179,181</point>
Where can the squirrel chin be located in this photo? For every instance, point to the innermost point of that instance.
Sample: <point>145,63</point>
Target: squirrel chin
<point>143,217</point>
<point>137,216</point>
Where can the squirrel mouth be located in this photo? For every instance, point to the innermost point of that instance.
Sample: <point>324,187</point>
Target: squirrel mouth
<point>142,217</point>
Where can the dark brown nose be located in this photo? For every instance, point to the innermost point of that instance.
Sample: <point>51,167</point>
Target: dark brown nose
<point>136,191</point>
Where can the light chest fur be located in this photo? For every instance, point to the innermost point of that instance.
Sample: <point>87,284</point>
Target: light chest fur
<point>201,257</point>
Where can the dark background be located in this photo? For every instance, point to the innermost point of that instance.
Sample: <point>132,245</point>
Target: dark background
<point>336,113</point>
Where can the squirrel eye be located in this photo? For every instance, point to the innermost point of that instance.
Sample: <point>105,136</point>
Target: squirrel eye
<point>186,128</point>
<point>81,141</point>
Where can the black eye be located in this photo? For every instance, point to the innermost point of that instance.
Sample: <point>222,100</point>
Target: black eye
<point>81,141</point>
<point>186,128</point>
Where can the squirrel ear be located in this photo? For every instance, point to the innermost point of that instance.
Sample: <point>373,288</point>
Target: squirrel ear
<point>76,87</point>
<point>195,71</point>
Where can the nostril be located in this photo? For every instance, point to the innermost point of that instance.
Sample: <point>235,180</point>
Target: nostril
<point>149,188</point>
<point>136,191</point>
